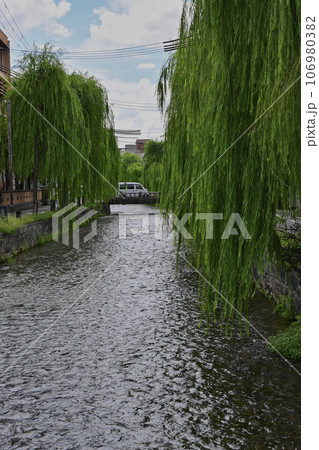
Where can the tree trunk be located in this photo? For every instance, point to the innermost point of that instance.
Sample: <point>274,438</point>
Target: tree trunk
<point>106,208</point>
<point>35,174</point>
<point>65,194</point>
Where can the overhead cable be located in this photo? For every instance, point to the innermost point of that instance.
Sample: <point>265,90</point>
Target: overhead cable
<point>138,50</point>
<point>10,35</point>
<point>24,39</point>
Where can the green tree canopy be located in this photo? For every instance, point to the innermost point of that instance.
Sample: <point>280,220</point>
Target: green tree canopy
<point>131,167</point>
<point>233,135</point>
<point>61,136</point>
<point>38,150</point>
<point>3,142</point>
<point>134,172</point>
<point>153,167</point>
<point>103,152</point>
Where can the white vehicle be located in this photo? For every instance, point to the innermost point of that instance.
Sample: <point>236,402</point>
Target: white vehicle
<point>132,189</point>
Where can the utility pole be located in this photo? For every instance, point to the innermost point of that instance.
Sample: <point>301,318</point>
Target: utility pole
<point>10,154</point>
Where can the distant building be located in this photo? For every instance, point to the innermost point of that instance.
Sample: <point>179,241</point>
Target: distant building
<point>140,144</point>
<point>137,148</point>
<point>130,148</point>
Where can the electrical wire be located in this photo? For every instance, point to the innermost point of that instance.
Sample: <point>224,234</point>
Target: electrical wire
<point>123,105</point>
<point>119,49</point>
<point>120,102</point>
<point>9,33</point>
<point>112,56</point>
<point>9,72</point>
<point>14,31</point>
<point>24,39</point>
<point>105,55</point>
<point>139,50</point>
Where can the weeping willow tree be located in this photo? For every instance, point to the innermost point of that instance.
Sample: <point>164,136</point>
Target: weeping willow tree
<point>233,137</point>
<point>153,167</point>
<point>3,147</point>
<point>103,152</point>
<point>59,138</point>
<point>38,149</point>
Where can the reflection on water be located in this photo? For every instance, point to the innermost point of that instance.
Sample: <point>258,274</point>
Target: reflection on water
<point>128,367</point>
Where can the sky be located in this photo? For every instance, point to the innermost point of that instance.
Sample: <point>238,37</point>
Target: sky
<point>81,25</point>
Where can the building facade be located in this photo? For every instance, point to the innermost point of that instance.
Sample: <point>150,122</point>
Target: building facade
<point>4,63</point>
<point>138,148</point>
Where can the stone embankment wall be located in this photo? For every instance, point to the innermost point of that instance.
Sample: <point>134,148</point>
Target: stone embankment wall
<point>278,283</point>
<point>26,236</point>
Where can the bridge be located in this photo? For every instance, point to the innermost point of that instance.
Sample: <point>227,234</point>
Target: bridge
<point>131,198</point>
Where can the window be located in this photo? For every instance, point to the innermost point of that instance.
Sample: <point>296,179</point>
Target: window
<point>122,186</point>
<point>139,186</point>
<point>130,186</point>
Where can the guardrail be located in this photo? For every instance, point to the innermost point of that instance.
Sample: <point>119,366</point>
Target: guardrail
<point>136,198</point>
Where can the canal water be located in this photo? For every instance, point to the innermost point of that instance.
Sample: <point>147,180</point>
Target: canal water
<point>127,366</point>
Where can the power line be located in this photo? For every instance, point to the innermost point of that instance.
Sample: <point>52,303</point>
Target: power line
<point>9,72</point>
<point>90,99</point>
<point>124,52</point>
<point>101,56</point>
<point>12,28</point>
<point>9,32</point>
<point>105,55</point>
<point>113,55</point>
<point>129,106</point>
<point>27,44</point>
<point>124,102</point>
<point>156,44</point>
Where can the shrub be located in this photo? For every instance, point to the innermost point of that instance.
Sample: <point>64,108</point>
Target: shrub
<point>288,342</point>
<point>11,223</point>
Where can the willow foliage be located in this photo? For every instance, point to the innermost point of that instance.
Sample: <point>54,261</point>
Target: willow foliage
<point>46,89</point>
<point>51,96</point>
<point>103,152</point>
<point>3,143</point>
<point>153,166</point>
<point>236,69</point>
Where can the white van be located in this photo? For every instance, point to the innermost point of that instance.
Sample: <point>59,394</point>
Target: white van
<point>132,189</point>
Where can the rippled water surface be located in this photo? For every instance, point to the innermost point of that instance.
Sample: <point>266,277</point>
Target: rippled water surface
<point>127,367</point>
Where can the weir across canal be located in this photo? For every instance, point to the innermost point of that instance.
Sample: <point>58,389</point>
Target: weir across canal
<point>137,199</point>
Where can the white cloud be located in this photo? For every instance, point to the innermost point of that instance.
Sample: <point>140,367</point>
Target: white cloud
<point>146,66</point>
<point>143,91</point>
<point>41,14</point>
<point>134,23</point>
<point>125,23</point>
